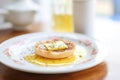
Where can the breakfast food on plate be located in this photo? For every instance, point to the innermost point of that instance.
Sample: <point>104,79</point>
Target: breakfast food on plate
<point>55,48</point>
<point>55,52</point>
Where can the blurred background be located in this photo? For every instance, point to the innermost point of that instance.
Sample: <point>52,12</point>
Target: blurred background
<point>105,9</point>
<point>107,15</point>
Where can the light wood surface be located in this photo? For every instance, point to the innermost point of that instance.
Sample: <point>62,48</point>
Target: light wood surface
<point>98,72</point>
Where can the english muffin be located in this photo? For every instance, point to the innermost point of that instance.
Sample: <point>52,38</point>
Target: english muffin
<point>55,48</point>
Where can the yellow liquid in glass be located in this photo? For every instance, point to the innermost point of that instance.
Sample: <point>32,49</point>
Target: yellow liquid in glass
<point>63,23</point>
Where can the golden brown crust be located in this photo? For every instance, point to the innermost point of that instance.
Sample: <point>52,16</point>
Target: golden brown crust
<point>55,54</point>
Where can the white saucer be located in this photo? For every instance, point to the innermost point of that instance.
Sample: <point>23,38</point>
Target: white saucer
<point>6,25</point>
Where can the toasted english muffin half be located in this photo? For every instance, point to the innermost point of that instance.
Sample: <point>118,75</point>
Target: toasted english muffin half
<point>43,48</point>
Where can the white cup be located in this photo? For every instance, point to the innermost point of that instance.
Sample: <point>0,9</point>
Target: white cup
<point>84,14</point>
<point>20,20</point>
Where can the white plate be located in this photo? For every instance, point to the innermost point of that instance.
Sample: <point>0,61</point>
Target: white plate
<point>13,50</point>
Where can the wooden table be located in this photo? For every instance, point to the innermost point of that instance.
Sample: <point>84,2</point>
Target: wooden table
<point>98,72</point>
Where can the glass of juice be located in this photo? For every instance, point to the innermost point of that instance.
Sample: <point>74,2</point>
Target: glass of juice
<point>62,15</point>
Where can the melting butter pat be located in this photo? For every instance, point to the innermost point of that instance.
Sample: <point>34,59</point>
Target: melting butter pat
<point>57,45</point>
